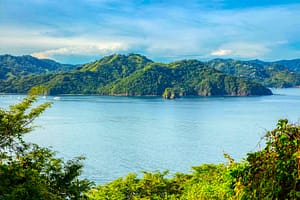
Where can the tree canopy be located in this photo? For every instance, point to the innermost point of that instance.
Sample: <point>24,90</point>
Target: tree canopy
<point>270,173</point>
<point>135,75</point>
<point>28,171</point>
<point>279,74</point>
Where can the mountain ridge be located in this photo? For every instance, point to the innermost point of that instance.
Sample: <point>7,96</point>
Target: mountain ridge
<point>16,66</point>
<point>121,75</point>
<point>270,74</point>
<point>136,75</point>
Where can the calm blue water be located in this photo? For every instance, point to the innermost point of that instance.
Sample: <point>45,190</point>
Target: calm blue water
<point>121,134</point>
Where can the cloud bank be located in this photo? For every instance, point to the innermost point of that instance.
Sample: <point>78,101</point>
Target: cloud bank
<point>89,50</point>
<point>161,30</point>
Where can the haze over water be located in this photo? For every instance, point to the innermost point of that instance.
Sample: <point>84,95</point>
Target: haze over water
<point>119,135</point>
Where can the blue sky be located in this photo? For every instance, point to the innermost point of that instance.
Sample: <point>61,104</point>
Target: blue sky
<point>78,31</point>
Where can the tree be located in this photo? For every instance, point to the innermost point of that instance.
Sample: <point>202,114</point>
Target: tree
<point>273,172</point>
<point>39,90</point>
<point>270,173</point>
<point>28,171</point>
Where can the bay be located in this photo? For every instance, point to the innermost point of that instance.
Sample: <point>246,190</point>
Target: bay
<point>118,135</point>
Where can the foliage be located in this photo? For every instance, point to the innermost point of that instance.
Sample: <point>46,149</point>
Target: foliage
<point>293,65</point>
<point>135,75</point>
<point>19,66</point>
<point>138,73</point>
<point>28,171</point>
<point>270,173</point>
<point>39,90</point>
<point>182,78</point>
<point>279,74</point>
<point>273,172</point>
<point>205,182</point>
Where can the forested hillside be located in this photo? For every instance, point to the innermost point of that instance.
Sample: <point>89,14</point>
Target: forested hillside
<point>28,171</point>
<point>19,66</point>
<point>290,64</point>
<point>270,74</point>
<point>135,75</point>
<point>270,173</point>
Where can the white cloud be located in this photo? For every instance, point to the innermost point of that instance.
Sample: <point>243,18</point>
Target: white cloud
<point>83,50</point>
<point>248,49</point>
<point>221,52</point>
<point>243,50</point>
<point>154,30</point>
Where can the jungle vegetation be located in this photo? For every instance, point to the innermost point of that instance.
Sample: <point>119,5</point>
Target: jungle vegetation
<point>136,75</point>
<point>31,172</point>
<point>270,173</point>
<point>28,171</point>
<point>281,74</point>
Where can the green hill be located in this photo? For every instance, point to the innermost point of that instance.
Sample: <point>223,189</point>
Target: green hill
<point>135,75</point>
<point>293,65</point>
<point>182,78</point>
<point>267,73</point>
<point>19,66</point>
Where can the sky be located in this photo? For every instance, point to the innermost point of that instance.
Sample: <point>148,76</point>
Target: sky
<point>80,31</point>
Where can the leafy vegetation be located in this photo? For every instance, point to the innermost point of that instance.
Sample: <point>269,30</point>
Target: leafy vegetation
<point>205,182</point>
<point>271,173</point>
<point>139,76</point>
<point>28,171</point>
<point>19,66</point>
<point>183,78</point>
<point>135,75</point>
<point>277,74</point>
<point>293,65</point>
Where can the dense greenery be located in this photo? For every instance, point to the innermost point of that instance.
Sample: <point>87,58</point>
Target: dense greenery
<point>273,172</point>
<point>19,66</point>
<point>205,182</point>
<point>278,74</point>
<point>187,77</point>
<point>135,75</point>
<point>270,173</point>
<point>28,171</point>
<point>293,65</point>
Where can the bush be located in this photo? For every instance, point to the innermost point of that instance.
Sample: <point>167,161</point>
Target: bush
<point>28,171</point>
<point>273,172</point>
